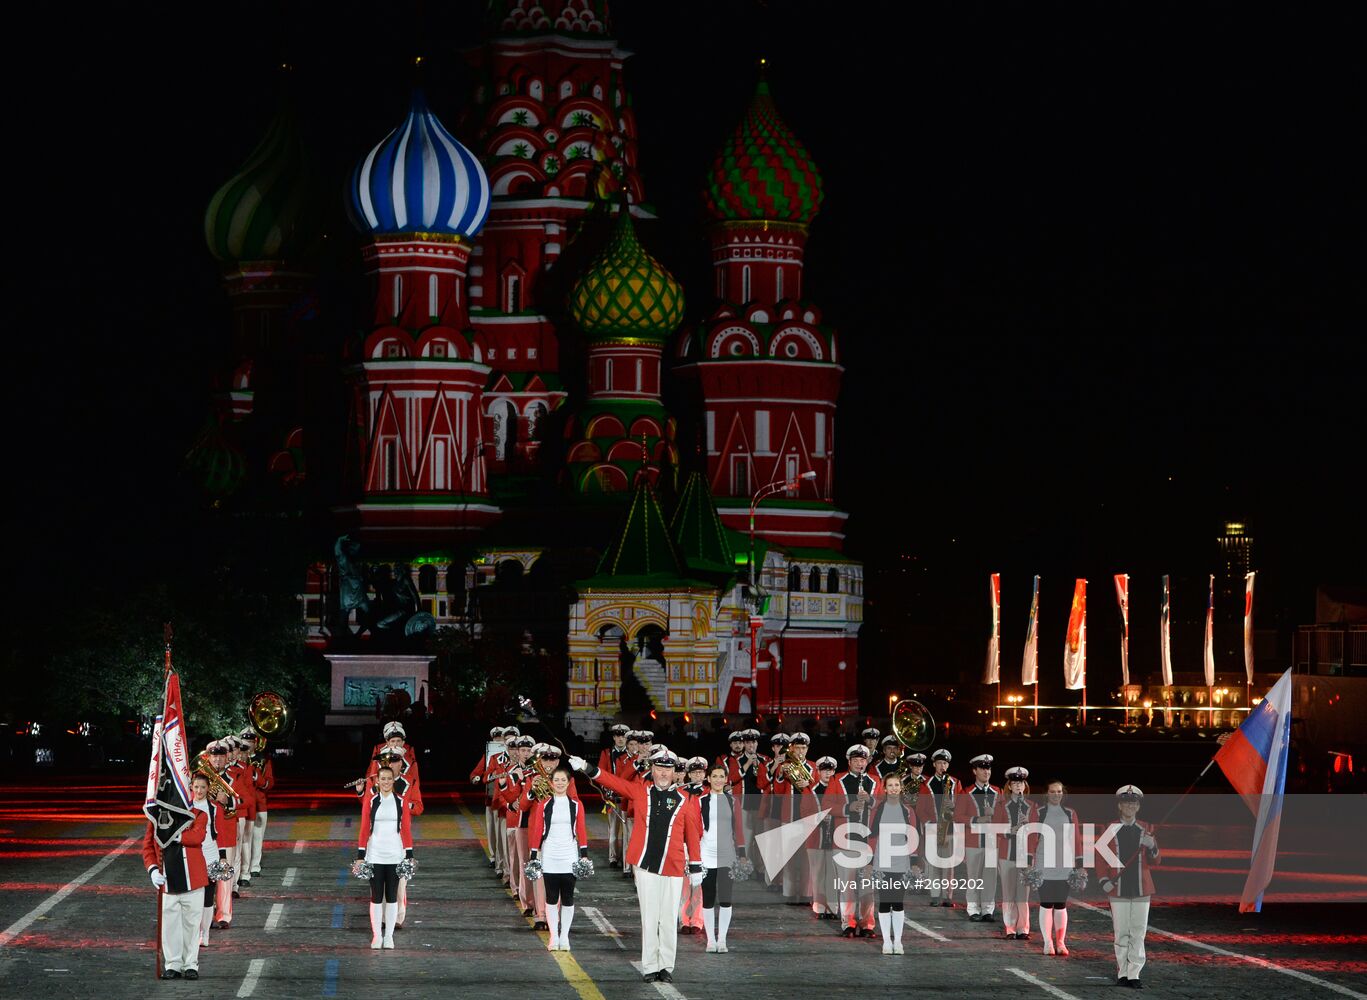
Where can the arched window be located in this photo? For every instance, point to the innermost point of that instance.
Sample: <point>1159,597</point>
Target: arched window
<point>814,581</point>
<point>427,579</point>
<point>513,296</point>
<point>505,430</point>
<point>795,578</point>
<point>833,581</point>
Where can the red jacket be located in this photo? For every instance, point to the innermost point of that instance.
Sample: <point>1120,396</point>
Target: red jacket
<point>627,770</point>
<point>1032,842</point>
<point>243,779</point>
<point>1144,858</point>
<point>685,823</point>
<point>370,804</point>
<point>843,792</point>
<point>486,773</point>
<point>537,826</point>
<point>185,870</point>
<point>966,809</point>
<point>265,781</point>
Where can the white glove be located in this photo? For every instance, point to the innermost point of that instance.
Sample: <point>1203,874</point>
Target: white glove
<point>579,763</point>
<point>695,879</point>
<point>158,879</point>
<point>1145,840</point>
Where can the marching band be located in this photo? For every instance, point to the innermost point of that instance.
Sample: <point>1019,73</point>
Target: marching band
<point>685,830</point>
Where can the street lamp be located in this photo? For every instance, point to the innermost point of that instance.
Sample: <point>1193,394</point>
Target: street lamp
<point>755,602</point>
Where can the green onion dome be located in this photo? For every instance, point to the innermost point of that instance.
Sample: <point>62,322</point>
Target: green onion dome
<point>260,214</point>
<point>762,171</point>
<point>626,292</point>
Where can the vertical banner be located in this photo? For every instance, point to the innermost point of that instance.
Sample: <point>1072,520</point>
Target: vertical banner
<point>1075,645</point>
<point>1165,638</point>
<point>1030,662</point>
<point>168,804</point>
<point>1248,626</point>
<point>1122,596</point>
<point>992,673</point>
<point>1210,634</point>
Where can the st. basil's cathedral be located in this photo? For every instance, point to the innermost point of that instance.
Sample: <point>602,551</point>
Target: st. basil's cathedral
<point>530,400</point>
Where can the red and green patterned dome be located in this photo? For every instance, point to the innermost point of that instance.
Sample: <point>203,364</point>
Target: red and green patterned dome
<point>626,292</point>
<point>762,171</point>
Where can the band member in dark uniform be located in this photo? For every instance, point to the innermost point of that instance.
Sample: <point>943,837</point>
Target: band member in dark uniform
<point>666,830</point>
<point>179,870</point>
<point>891,759</point>
<point>1130,887</point>
<point>944,791</point>
<point>869,737</point>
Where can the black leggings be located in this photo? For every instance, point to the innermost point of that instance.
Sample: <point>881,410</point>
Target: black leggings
<point>559,888</point>
<point>210,894</point>
<point>1053,894</point>
<point>717,885</point>
<point>890,899</point>
<point>384,884</point>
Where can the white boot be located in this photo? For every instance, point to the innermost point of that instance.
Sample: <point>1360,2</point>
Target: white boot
<point>707,915</point>
<point>1046,928</point>
<point>899,918</point>
<point>553,927</point>
<point>390,911</point>
<point>566,918</point>
<point>1061,931</point>
<point>376,912</point>
<point>885,923</point>
<point>206,920</point>
<point>723,922</point>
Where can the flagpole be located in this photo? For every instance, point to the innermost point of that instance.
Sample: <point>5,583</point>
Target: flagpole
<point>161,891</point>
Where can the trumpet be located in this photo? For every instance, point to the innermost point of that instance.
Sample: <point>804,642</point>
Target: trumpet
<point>792,765</point>
<point>217,786</point>
<point>541,780</point>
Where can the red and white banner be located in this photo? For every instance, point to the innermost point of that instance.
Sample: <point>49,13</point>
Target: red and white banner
<point>1030,662</point>
<point>1122,595</point>
<point>1075,645</point>
<point>1165,638</point>
<point>1210,635</point>
<point>992,673</point>
<point>168,804</point>
<point>1248,626</point>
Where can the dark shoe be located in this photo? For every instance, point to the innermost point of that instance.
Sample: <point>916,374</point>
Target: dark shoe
<point>989,917</point>
<point>665,976</point>
<point>975,917</point>
<point>540,925</point>
<point>236,894</point>
<point>867,932</point>
<point>221,925</point>
<point>849,932</point>
<point>1135,984</point>
<point>650,977</point>
<point>170,974</point>
<point>1022,937</point>
<point>947,902</point>
<point>191,973</point>
<point>245,883</point>
<point>527,911</point>
<point>1121,981</point>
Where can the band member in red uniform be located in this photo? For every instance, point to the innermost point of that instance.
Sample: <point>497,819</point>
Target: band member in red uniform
<point>244,778</point>
<point>667,828</point>
<point>791,784</point>
<point>179,870</point>
<point>820,859</point>
<point>744,778</point>
<point>386,839</point>
<point>264,781</point>
<point>891,759</point>
<point>227,840</point>
<point>690,903</point>
<point>506,798</point>
<point>892,823</point>
<point>1130,887</point>
<point>977,806</point>
<point>486,774</point>
<point>850,797</point>
<point>735,744</point>
<point>559,837</point>
<point>869,737</point>
<point>634,766</point>
<point>607,761</point>
<point>771,805</point>
<point>944,793</point>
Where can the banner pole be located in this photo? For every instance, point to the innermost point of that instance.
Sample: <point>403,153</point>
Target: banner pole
<point>156,945</point>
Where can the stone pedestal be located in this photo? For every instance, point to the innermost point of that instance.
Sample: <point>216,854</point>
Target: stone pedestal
<point>358,678</point>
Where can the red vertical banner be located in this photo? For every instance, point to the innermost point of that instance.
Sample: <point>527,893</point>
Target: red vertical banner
<point>1209,659</point>
<point>1030,662</point>
<point>1165,636</point>
<point>1075,645</point>
<point>1248,626</point>
<point>992,672</point>
<point>1122,596</point>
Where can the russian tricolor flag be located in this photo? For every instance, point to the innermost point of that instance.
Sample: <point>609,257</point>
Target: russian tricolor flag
<point>1254,761</point>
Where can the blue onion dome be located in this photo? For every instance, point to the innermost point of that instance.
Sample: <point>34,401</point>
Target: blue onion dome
<point>419,179</point>
<point>264,211</point>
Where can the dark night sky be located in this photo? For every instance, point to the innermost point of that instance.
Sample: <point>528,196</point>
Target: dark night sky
<point>1097,270</point>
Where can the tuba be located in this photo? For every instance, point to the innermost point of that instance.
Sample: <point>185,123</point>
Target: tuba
<point>541,778</point>
<point>914,727</point>
<point>217,786</point>
<point>270,718</point>
<point>793,765</point>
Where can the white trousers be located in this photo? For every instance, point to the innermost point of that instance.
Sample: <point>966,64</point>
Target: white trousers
<point>982,900</point>
<point>1130,921</point>
<point>258,838</point>
<point>244,850</point>
<point>856,901</point>
<point>821,881</point>
<point>617,845</point>
<point>941,874</point>
<point>1015,898</point>
<point>659,897</point>
<point>627,825</point>
<point>796,876</point>
<point>224,890</point>
<point>180,913</point>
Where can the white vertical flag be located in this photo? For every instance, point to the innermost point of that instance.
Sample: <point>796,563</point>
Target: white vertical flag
<point>1165,639</point>
<point>1210,634</point>
<point>1248,626</point>
<point>1030,663</point>
<point>1075,645</point>
<point>992,674</point>
<point>1122,595</point>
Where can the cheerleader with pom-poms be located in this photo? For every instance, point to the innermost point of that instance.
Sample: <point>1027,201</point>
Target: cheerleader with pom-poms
<point>384,852</point>
<point>558,837</point>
